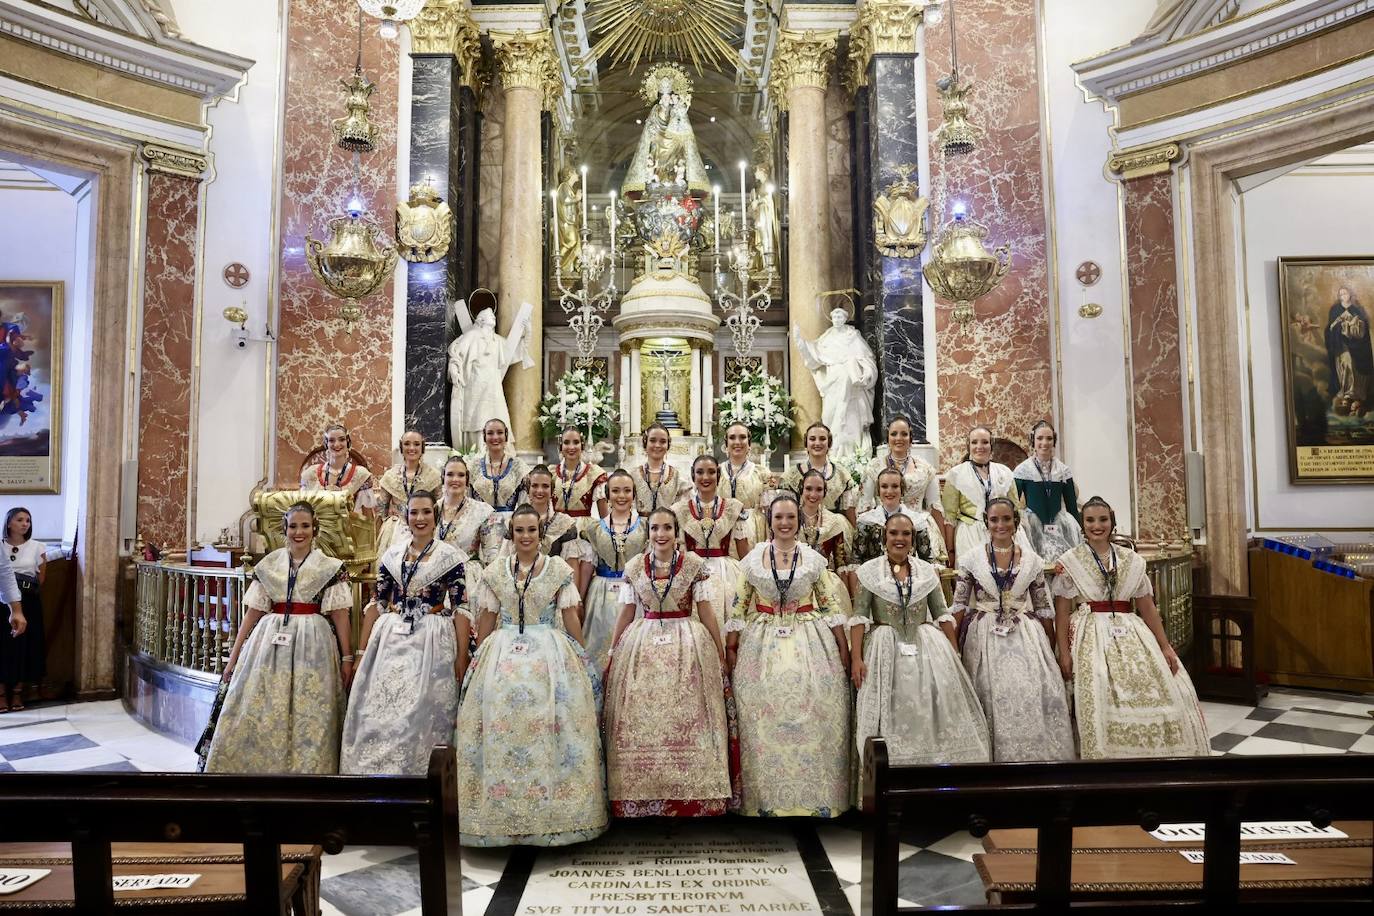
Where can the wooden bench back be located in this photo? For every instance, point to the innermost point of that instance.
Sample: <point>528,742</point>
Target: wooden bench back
<point>1055,797</point>
<point>92,810</point>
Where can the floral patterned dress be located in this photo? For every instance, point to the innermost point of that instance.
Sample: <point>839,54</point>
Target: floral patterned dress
<point>353,479</point>
<point>868,539</point>
<point>922,491</point>
<point>576,490</point>
<point>612,544</point>
<point>395,488</point>
<point>498,486</point>
<point>828,533</point>
<point>916,694</point>
<point>285,701</point>
<point>653,490</point>
<point>1051,519</point>
<point>749,484</point>
<point>966,497</point>
<point>841,493</point>
<point>1127,702</point>
<point>708,529</point>
<point>476,530</point>
<point>1010,659</point>
<point>559,538</point>
<point>791,689</point>
<point>404,699</point>
<point>529,758</point>
<point>666,735</point>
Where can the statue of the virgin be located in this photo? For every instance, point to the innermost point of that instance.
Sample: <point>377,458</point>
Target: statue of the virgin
<point>667,154</point>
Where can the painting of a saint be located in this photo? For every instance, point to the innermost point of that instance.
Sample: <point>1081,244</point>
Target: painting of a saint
<point>1329,368</point>
<point>30,386</point>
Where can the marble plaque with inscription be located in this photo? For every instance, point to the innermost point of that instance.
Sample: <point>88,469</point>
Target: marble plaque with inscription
<point>653,870</point>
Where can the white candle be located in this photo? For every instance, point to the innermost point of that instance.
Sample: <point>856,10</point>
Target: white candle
<point>743,187</point>
<point>613,215</point>
<point>715,197</point>
<point>553,209</point>
<point>584,197</point>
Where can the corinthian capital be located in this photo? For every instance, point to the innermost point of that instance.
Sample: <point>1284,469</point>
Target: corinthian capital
<point>801,59</point>
<point>445,27</point>
<point>526,60</point>
<point>883,27</point>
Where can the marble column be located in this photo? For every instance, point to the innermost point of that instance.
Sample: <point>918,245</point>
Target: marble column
<point>889,143</point>
<point>167,362</point>
<point>446,53</point>
<point>531,79</point>
<point>801,70</point>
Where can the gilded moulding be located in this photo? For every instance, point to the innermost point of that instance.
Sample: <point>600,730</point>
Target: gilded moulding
<point>525,60</point>
<point>445,27</point>
<point>883,27</point>
<point>1141,162</point>
<point>899,217</point>
<point>172,161</point>
<point>801,60</point>
<point>424,226</point>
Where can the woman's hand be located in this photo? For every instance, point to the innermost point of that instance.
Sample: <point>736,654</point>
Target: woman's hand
<point>1066,663</point>
<point>1171,657</point>
<point>858,672</point>
<point>346,672</point>
<point>18,622</point>
<point>228,673</point>
<point>731,655</point>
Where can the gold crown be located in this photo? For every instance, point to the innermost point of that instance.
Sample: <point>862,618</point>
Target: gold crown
<point>682,85</point>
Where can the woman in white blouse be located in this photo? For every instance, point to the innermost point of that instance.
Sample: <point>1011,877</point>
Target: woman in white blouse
<point>22,569</point>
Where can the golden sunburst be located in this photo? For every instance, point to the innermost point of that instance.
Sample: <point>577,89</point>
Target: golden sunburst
<point>688,30</point>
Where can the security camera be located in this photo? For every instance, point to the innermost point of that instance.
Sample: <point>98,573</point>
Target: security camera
<point>241,338</point>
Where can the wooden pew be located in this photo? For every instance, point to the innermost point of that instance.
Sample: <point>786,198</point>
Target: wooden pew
<point>94,811</point>
<point>1057,797</point>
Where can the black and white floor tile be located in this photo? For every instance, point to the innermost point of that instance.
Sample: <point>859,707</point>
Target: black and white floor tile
<point>935,868</point>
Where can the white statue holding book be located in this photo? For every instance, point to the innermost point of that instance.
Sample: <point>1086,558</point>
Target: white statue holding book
<point>478,360</point>
<point>846,373</point>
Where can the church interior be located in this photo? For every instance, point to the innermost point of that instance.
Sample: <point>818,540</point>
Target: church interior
<point>605,457</point>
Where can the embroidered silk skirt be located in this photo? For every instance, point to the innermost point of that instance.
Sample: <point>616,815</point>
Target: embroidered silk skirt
<point>602,607</point>
<point>1020,688</point>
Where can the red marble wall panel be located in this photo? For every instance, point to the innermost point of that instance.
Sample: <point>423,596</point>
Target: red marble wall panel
<point>324,373</point>
<point>167,360</point>
<point>996,370</point>
<point>1156,369</point>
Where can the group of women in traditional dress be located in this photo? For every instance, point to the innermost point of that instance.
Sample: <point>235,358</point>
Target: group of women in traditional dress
<point>644,642</point>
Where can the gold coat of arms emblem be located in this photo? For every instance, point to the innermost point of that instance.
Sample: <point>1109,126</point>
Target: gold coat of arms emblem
<point>899,229</point>
<point>424,225</point>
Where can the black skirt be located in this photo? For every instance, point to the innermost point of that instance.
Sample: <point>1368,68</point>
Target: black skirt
<point>23,660</point>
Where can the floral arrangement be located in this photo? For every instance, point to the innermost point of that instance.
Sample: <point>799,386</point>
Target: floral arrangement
<point>578,394</point>
<point>761,403</point>
<point>852,463</point>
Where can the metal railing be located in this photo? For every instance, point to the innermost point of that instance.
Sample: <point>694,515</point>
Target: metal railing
<point>188,615</point>
<point>1172,578</point>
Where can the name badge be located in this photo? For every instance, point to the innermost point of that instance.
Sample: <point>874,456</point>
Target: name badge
<point>1117,631</point>
<point>782,632</point>
<point>1052,530</point>
<point>1001,629</point>
<point>907,649</point>
<point>663,639</point>
<point>281,639</point>
<point>519,648</point>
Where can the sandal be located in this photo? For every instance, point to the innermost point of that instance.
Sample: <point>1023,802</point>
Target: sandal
<point>16,699</point>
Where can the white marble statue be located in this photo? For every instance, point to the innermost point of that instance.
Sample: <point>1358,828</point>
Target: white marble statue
<point>477,363</point>
<point>846,374</point>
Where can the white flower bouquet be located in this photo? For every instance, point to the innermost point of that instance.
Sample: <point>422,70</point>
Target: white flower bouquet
<point>582,399</point>
<point>761,403</point>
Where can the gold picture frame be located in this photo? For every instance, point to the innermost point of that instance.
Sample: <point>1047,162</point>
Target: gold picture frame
<point>1328,368</point>
<point>31,333</point>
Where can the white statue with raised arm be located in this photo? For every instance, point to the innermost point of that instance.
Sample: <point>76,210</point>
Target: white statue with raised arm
<point>846,373</point>
<point>478,360</point>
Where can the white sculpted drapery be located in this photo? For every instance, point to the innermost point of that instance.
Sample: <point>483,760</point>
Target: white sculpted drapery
<point>477,363</point>
<point>846,373</point>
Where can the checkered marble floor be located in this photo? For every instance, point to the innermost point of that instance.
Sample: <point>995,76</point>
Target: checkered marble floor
<point>935,868</point>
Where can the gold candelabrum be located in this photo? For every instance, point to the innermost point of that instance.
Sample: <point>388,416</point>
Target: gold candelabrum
<point>586,310</point>
<point>357,259</point>
<point>961,269</point>
<point>741,309</point>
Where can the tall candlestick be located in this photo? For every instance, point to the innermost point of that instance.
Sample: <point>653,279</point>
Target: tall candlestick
<point>553,218</point>
<point>743,187</point>
<point>715,197</point>
<point>613,215</point>
<point>584,197</point>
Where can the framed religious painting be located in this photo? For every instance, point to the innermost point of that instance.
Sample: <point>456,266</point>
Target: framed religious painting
<point>1328,368</point>
<point>30,386</point>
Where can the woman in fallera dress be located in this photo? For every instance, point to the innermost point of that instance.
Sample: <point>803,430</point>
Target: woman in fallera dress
<point>577,484</point>
<point>338,469</point>
<point>841,493</point>
<point>666,738</point>
<point>560,533</point>
<point>1006,627</point>
<point>1132,697</point>
<point>499,477</point>
<point>529,748</point>
<point>789,662</point>
<point>467,523</point>
<point>399,481</point>
<point>920,488</point>
<point>744,480</point>
<point>969,485</point>
<point>913,691</point>
<point>869,539</point>
<point>711,524</point>
<point>657,483</point>
<point>1046,487</point>
<point>414,648</point>
<point>614,538</point>
<point>289,668</point>
<point>828,534</point>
